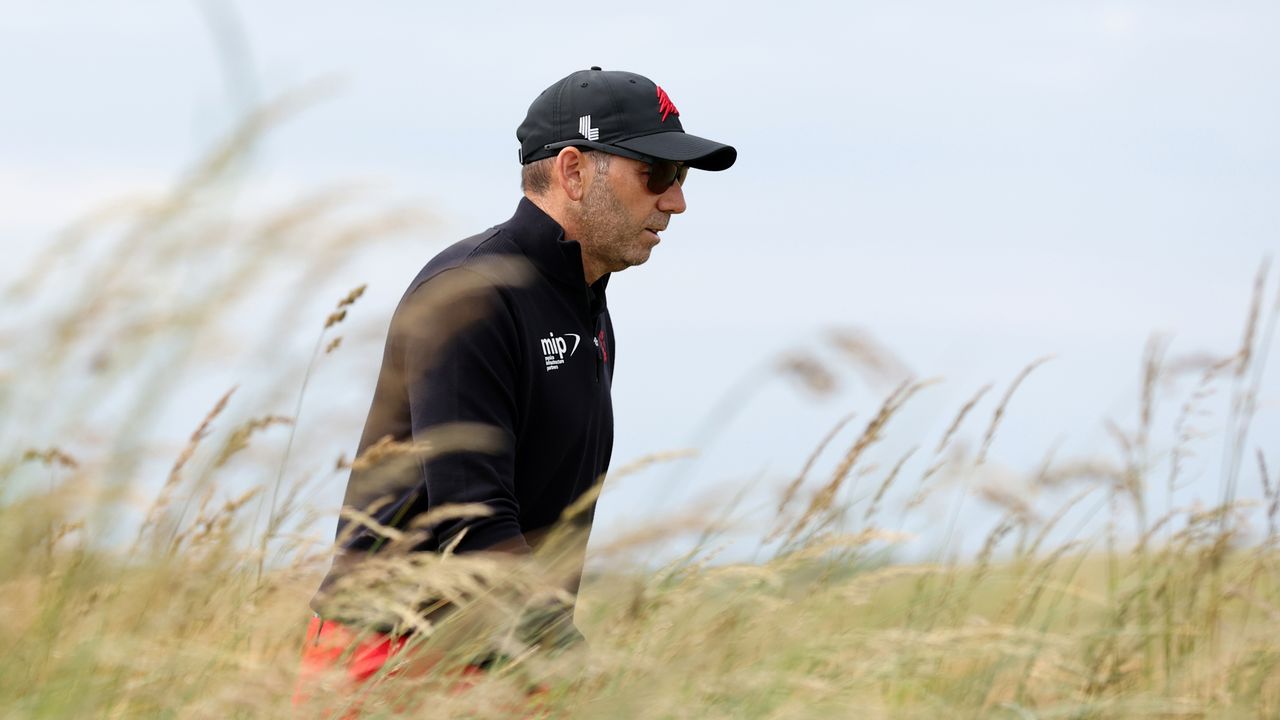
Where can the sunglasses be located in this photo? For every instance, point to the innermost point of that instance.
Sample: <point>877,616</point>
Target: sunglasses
<point>662,173</point>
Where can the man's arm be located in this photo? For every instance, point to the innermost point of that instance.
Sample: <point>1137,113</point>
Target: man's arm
<point>468,373</point>
<point>461,359</point>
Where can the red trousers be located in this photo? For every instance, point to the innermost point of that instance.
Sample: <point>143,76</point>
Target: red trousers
<point>331,646</point>
<point>328,641</point>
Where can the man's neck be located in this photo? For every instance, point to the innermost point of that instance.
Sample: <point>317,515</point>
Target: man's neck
<point>591,270</point>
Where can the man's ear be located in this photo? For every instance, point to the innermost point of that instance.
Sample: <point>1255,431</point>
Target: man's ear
<point>569,171</point>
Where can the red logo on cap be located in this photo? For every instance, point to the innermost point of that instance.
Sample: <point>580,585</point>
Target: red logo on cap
<point>665,106</point>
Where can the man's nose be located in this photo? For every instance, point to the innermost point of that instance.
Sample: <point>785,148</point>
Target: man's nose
<point>672,201</point>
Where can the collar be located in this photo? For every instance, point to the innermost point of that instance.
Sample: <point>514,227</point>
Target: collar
<point>542,240</point>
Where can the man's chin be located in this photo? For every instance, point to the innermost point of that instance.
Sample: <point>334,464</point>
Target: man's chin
<point>633,260</point>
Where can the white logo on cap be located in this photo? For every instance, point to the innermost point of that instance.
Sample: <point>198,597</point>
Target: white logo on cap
<point>584,127</point>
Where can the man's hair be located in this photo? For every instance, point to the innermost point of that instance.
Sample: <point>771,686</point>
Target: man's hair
<point>535,178</point>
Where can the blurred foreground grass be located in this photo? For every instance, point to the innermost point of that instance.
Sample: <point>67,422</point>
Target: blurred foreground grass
<point>1187,631</point>
<point>187,598</point>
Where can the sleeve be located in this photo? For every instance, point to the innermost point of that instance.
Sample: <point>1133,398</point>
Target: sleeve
<point>460,354</point>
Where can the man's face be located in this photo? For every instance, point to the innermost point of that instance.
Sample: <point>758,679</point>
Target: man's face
<point>620,218</point>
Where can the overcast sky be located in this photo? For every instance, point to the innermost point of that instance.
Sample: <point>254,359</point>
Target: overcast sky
<point>974,184</point>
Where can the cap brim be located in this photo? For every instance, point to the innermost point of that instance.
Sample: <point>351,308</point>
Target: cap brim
<point>691,150</point>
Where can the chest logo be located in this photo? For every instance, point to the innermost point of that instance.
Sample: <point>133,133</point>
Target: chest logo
<point>556,349</point>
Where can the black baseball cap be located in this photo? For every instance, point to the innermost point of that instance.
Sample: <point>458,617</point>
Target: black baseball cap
<point>614,111</point>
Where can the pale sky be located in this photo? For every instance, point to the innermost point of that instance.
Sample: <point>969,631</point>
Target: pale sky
<point>974,184</point>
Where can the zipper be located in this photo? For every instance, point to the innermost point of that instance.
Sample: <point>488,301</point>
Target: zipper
<point>599,349</point>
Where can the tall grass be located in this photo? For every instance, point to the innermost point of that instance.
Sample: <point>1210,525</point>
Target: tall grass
<point>134,589</point>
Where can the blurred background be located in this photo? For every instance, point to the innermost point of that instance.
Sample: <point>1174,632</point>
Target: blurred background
<point>923,190</point>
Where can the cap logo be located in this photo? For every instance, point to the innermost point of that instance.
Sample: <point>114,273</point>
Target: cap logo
<point>585,129</point>
<point>665,106</point>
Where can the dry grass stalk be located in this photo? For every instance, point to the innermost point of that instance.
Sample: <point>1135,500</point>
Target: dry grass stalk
<point>1262,474</point>
<point>1004,404</point>
<point>65,529</point>
<point>188,451</point>
<point>454,437</point>
<point>335,318</point>
<point>956,458</point>
<point>824,499</point>
<point>1244,355</point>
<point>809,371</point>
<point>1015,506</point>
<point>822,546</point>
<point>1167,520</point>
<point>644,462</point>
<point>50,457</point>
<point>888,481</point>
<point>982,563</point>
<point>1087,470</point>
<point>352,296</point>
<point>1152,365</point>
<point>959,418</point>
<point>876,362</point>
<point>456,511</point>
<point>1184,432</point>
<point>363,520</point>
<point>794,486</point>
<point>216,525</point>
<point>665,531</point>
<point>1245,398</point>
<point>1271,492</point>
<point>340,312</point>
<point>239,439</point>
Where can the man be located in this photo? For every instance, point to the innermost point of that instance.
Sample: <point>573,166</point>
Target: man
<point>494,393</point>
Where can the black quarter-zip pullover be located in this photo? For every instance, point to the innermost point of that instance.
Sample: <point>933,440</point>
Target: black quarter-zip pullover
<point>533,361</point>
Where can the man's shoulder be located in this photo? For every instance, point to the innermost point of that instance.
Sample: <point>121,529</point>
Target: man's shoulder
<point>488,261</point>
<point>475,253</point>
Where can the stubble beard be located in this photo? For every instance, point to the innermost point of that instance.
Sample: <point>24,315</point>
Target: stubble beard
<point>608,232</point>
